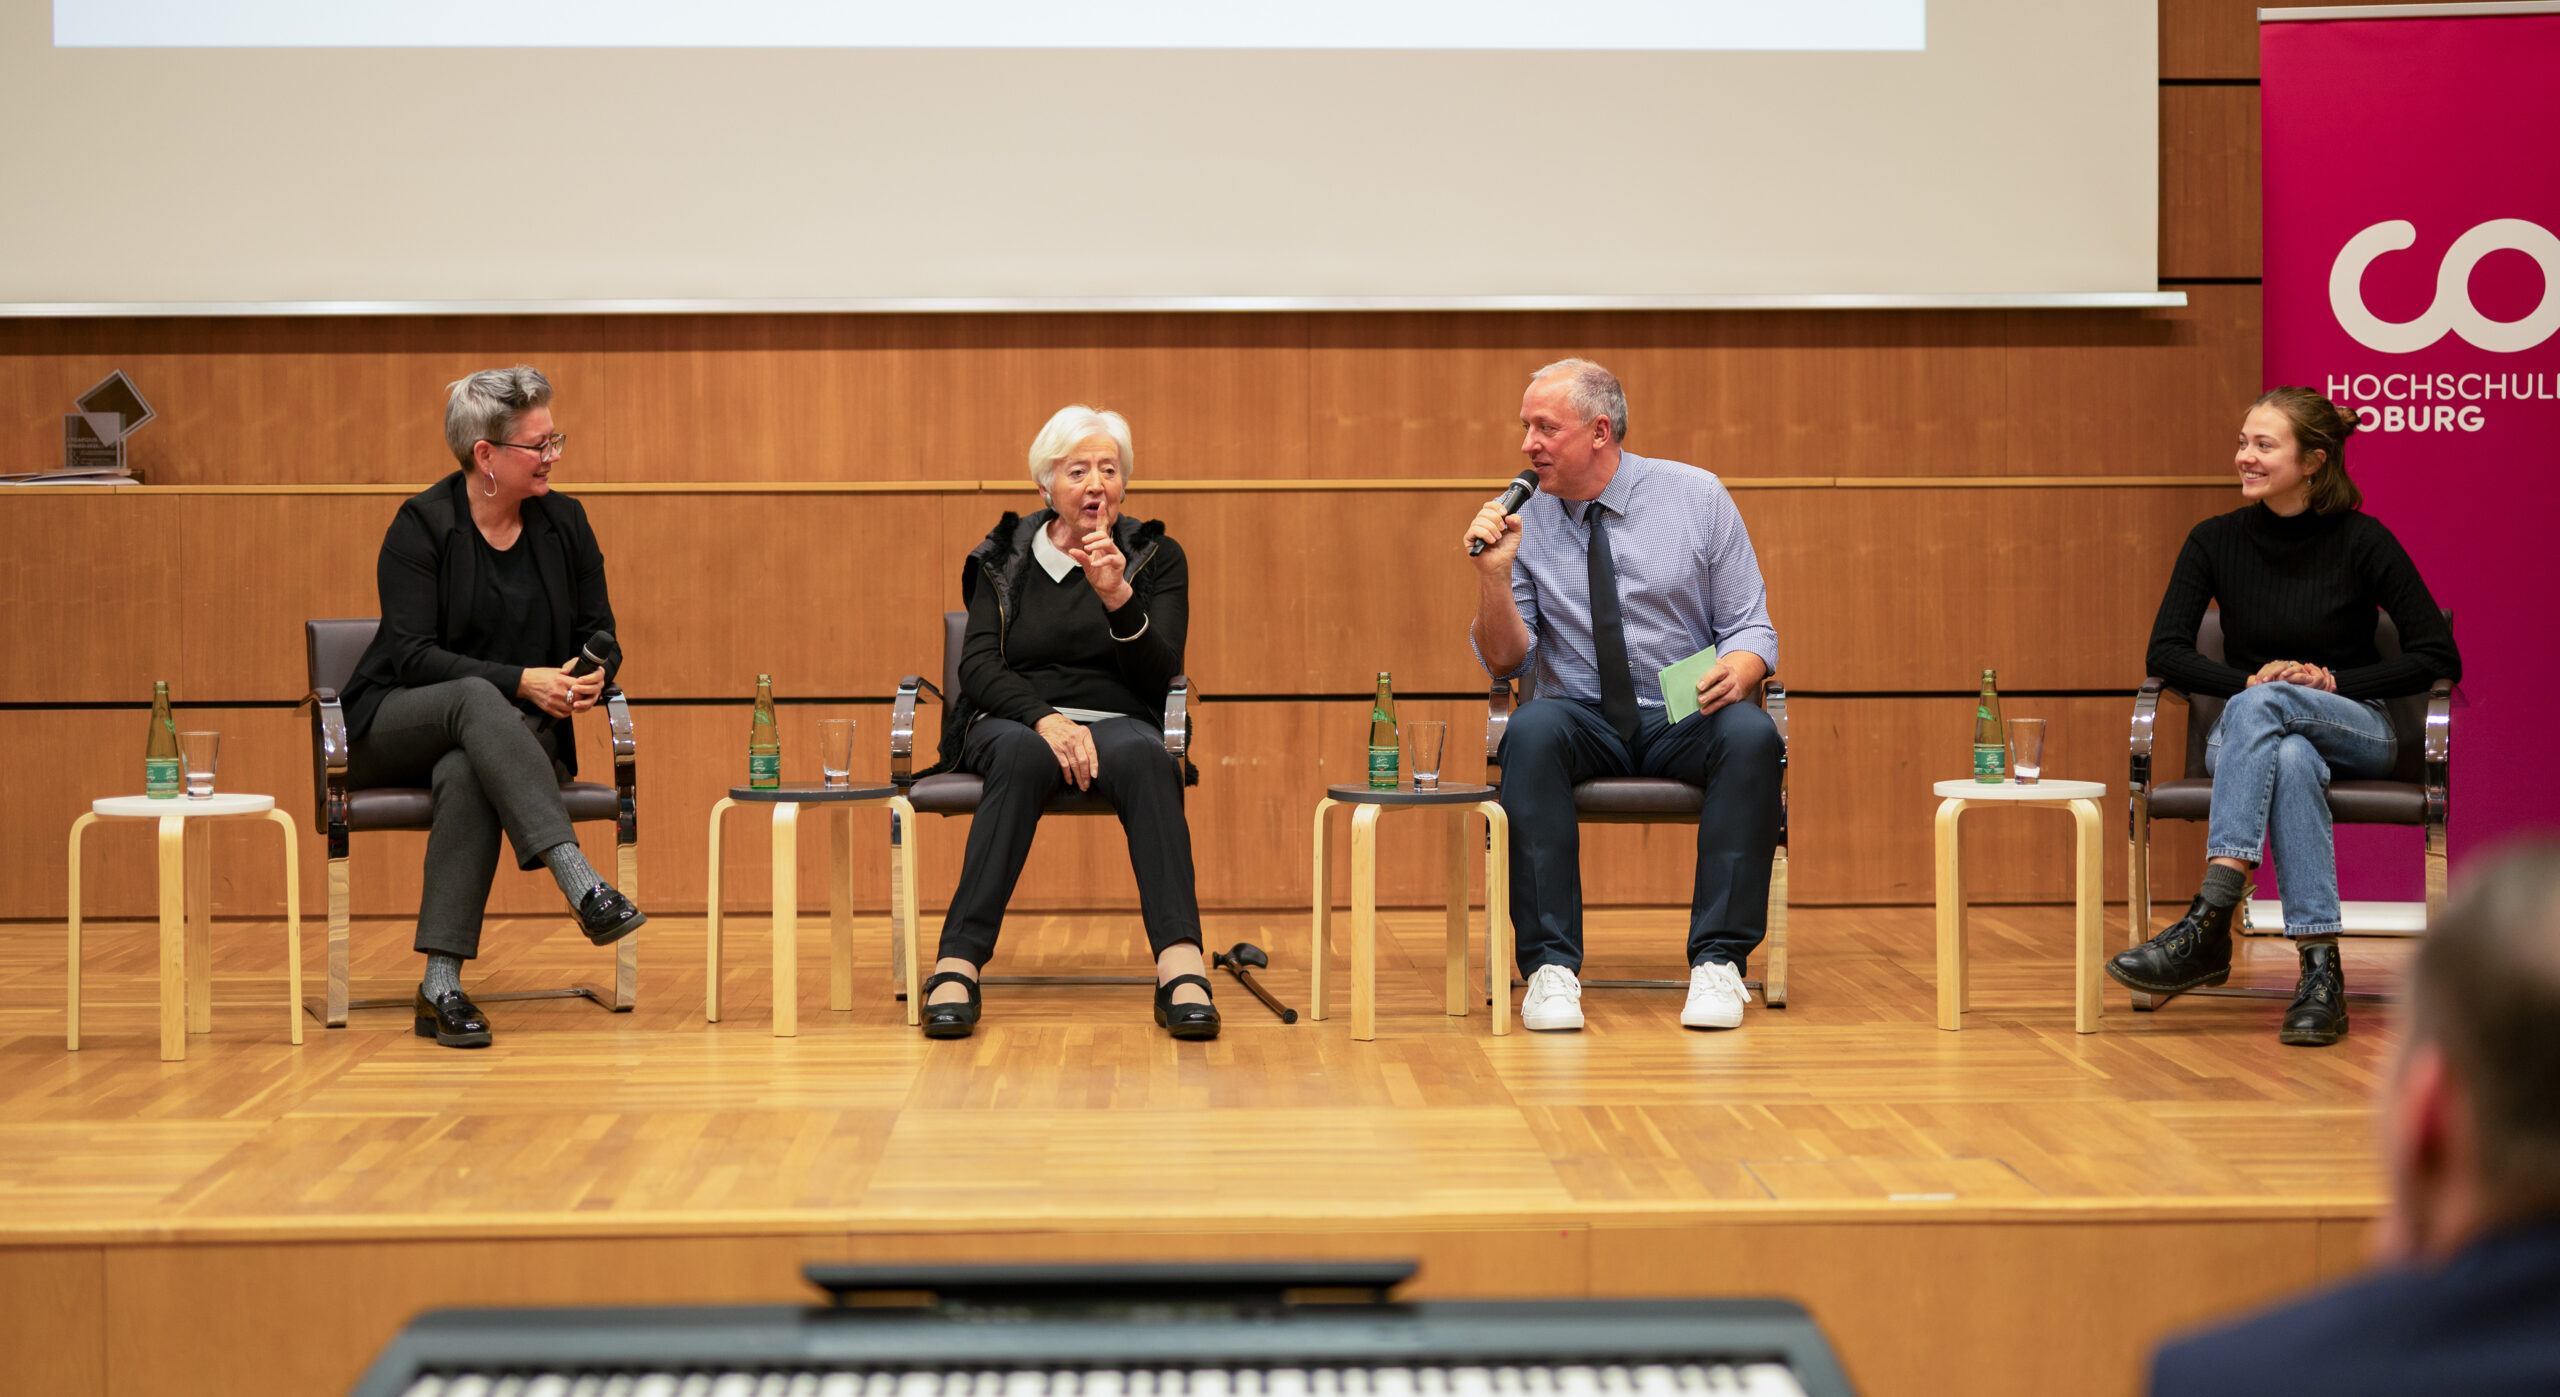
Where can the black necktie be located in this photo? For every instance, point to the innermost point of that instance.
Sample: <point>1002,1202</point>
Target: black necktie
<point>1608,634</point>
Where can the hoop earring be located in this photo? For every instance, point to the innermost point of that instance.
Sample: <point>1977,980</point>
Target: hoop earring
<point>492,492</point>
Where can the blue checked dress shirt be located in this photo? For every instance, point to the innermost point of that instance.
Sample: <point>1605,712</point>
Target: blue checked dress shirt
<point>1687,579</point>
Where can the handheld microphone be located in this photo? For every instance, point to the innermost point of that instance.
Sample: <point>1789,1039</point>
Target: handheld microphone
<point>599,649</point>
<point>1514,495</point>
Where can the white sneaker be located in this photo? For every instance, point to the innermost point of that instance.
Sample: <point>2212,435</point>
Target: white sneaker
<point>1716,997</point>
<point>1553,1002</point>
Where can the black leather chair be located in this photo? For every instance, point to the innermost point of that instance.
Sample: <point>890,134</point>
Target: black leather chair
<point>957,793</point>
<point>332,648</point>
<point>2416,793</point>
<point>1654,800</point>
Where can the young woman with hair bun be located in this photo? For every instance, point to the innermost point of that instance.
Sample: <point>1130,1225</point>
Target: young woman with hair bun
<point>2299,572</point>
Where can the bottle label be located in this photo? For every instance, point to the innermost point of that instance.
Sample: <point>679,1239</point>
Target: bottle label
<point>1382,766</point>
<point>1987,761</point>
<point>160,777</point>
<point>764,768</point>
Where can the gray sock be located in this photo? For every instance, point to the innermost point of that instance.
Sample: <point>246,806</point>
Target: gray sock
<point>570,868</point>
<point>444,974</point>
<point>2223,886</point>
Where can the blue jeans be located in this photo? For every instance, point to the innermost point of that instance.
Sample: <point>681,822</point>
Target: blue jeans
<point>2271,757</point>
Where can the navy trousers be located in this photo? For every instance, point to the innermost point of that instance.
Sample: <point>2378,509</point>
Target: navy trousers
<point>1554,744</point>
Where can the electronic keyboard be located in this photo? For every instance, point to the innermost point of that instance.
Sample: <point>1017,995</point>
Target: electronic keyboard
<point>1318,1329</point>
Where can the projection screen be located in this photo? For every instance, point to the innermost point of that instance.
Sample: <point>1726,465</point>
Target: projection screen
<point>300,156</point>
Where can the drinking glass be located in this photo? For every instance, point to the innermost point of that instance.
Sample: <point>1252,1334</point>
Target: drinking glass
<point>2026,749</point>
<point>1426,738</point>
<point>197,754</point>
<point>835,750</point>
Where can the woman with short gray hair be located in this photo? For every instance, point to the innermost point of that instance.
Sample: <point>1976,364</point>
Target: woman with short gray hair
<point>1077,617</point>
<point>490,583</point>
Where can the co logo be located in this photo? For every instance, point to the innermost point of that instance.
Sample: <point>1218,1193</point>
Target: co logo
<point>2452,309</point>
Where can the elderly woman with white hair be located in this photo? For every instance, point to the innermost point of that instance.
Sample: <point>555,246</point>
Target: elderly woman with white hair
<point>1076,622</point>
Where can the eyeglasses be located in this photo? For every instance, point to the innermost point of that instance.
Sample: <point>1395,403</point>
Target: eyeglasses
<point>547,448</point>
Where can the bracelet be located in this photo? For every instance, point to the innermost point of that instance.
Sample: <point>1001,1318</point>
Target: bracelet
<point>1143,622</point>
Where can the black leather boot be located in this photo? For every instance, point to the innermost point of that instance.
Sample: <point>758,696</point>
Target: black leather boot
<point>2194,953</point>
<point>2318,1016</point>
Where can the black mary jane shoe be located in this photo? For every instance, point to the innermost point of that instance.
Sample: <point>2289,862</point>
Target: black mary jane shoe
<point>950,1020</point>
<point>1190,1022</point>
<point>606,916</point>
<point>452,1020</point>
<point>2193,954</point>
<point>2318,1015</point>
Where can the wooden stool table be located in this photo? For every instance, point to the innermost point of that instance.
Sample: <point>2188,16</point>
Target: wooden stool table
<point>786,800</point>
<point>186,909</point>
<point>1458,798</point>
<point>2080,798</point>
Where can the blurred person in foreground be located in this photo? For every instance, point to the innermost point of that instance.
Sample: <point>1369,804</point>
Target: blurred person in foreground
<point>2467,1299</point>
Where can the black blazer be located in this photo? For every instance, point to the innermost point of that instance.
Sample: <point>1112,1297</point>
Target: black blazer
<point>2485,1324</point>
<point>427,576</point>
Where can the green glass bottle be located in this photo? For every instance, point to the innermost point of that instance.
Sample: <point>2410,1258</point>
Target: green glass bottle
<point>1990,749</point>
<point>160,748</point>
<point>1384,746</point>
<point>764,740</point>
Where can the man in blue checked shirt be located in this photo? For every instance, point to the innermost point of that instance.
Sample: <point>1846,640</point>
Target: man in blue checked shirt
<point>1616,569</point>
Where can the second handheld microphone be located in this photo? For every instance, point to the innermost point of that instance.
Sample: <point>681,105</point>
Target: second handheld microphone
<point>599,649</point>
<point>1514,495</point>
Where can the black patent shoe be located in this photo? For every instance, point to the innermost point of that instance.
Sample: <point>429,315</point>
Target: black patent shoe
<point>2318,1016</point>
<point>952,1019</point>
<point>606,916</point>
<point>1191,1022</point>
<point>2193,954</point>
<point>451,1019</point>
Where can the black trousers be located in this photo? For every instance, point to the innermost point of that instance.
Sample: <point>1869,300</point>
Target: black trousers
<point>1133,771</point>
<point>1553,744</point>
<point>490,770</point>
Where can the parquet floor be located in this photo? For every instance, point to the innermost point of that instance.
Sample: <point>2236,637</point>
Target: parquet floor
<point>1070,1106</point>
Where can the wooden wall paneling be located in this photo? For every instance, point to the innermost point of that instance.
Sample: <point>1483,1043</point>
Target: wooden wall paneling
<point>1862,810</point>
<point>255,568</point>
<point>2209,186</point>
<point>53,1320</point>
<point>1894,589</point>
<point>1982,1307</point>
<point>827,593</point>
<point>1207,396</point>
<point>1740,393</point>
<point>87,600</point>
<point>325,400</point>
<point>177,1314</point>
<point>2208,39</point>
<point>755,397</point>
<point>2153,392</point>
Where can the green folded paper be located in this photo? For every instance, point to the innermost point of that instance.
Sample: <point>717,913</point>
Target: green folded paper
<point>1680,684</point>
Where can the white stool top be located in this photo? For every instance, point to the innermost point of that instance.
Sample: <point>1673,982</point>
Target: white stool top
<point>1969,789</point>
<point>146,808</point>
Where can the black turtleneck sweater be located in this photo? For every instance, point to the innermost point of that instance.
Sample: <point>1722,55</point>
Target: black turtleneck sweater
<point>2303,589</point>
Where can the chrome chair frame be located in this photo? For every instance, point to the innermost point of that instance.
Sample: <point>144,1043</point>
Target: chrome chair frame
<point>331,751</point>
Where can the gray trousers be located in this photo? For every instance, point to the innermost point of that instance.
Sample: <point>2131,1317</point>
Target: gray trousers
<point>490,770</point>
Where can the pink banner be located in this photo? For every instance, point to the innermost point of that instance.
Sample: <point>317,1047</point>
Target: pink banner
<point>2413,275</point>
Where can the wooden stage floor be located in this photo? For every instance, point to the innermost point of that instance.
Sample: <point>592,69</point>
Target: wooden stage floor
<point>2013,1208</point>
